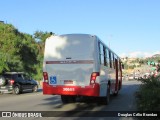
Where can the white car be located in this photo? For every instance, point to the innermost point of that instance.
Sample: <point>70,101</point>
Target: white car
<point>146,75</point>
<point>131,77</point>
<point>137,76</point>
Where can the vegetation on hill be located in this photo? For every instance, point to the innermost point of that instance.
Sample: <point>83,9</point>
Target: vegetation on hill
<point>148,96</point>
<point>20,51</point>
<point>138,62</point>
<point>142,65</point>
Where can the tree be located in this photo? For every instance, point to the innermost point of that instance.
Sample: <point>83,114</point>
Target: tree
<point>40,38</point>
<point>18,52</point>
<point>9,46</point>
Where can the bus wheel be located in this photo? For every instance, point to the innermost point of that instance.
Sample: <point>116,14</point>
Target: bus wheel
<point>71,99</point>
<point>68,99</point>
<point>64,99</point>
<point>116,93</point>
<point>107,98</point>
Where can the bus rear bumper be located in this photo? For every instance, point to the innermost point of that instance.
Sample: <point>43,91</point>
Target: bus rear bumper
<point>91,90</point>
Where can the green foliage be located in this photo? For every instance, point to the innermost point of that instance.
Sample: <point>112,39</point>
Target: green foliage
<point>21,51</point>
<point>10,45</point>
<point>132,66</point>
<point>40,38</point>
<point>149,94</point>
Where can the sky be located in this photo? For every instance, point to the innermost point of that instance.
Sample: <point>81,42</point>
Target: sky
<point>129,27</point>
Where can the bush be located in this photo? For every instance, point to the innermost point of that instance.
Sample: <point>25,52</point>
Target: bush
<point>148,96</point>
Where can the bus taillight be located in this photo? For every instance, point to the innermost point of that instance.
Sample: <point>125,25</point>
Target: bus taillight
<point>93,77</point>
<point>45,76</point>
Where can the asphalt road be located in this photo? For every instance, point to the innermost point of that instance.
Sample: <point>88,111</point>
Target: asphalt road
<point>125,101</point>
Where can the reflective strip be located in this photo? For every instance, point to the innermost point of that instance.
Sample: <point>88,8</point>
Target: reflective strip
<point>71,90</point>
<point>71,62</point>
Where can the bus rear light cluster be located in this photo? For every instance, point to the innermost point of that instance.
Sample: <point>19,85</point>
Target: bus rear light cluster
<point>46,81</point>
<point>45,76</point>
<point>93,77</point>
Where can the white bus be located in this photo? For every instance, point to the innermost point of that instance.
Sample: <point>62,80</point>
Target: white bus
<point>80,65</point>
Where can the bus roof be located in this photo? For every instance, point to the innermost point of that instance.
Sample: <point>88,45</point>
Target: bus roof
<point>92,35</point>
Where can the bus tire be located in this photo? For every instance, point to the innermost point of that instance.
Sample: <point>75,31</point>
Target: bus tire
<point>68,99</point>
<point>119,87</point>
<point>71,99</point>
<point>116,93</point>
<point>64,99</point>
<point>105,100</point>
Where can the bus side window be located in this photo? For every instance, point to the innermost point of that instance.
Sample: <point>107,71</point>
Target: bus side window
<point>101,54</point>
<point>113,60</point>
<point>119,65</point>
<point>116,58</point>
<point>105,59</point>
<point>110,59</point>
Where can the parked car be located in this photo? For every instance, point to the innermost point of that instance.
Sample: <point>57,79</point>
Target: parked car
<point>146,75</point>
<point>137,76</point>
<point>16,82</point>
<point>130,76</point>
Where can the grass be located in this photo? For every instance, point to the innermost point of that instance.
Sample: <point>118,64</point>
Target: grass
<point>148,96</point>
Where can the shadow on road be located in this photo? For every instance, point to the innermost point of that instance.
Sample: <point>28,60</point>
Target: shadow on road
<point>124,102</point>
<point>24,92</point>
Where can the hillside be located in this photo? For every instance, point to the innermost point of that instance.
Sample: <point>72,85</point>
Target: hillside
<point>21,51</point>
<point>143,64</point>
<point>156,55</point>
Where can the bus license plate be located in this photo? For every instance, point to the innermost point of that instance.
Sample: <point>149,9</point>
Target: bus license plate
<point>68,82</point>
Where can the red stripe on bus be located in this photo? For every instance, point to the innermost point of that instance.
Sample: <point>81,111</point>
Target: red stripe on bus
<point>71,62</point>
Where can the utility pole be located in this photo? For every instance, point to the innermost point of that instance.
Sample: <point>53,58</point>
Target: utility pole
<point>109,40</point>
